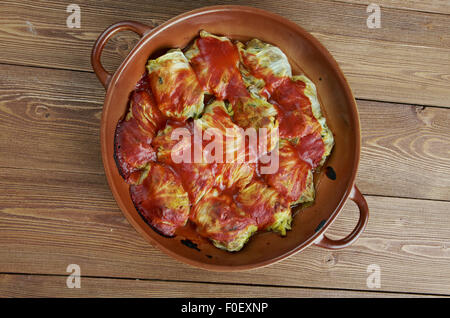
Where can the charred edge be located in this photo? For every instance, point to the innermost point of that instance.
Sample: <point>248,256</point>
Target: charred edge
<point>321,224</point>
<point>331,174</point>
<point>146,220</point>
<point>208,256</point>
<point>116,151</point>
<point>190,244</point>
<point>208,99</point>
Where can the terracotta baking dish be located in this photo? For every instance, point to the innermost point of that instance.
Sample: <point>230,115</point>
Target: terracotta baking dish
<point>306,55</point>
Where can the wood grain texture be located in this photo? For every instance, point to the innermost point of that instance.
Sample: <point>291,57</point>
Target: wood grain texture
<point>52,219</point>
<point>403,73</point>
<point>405,151</point>
<point>57,209</point>
<point>55,286</point>
<point>59,115</point>
<point>50,119</point>
<point>411,50</point>
<point>436,6</point>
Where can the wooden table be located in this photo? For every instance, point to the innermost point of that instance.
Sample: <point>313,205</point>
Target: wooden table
<point>56,208</point>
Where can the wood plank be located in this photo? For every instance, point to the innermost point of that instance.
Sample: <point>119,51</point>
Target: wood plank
<point>55,286</point>
<point>59,115</point>
<point>51,219</point>
<point>61,111</point>
<point>410,74</point>
<point>436,6</point>
<point>412,48</point>
<point>405,151</point>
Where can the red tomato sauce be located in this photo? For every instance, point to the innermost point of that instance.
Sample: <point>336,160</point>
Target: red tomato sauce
<point>146,113</point>
<point>222,77</point>
<point>144,84</point>
<point>311,149</point>
<point>132,148</point>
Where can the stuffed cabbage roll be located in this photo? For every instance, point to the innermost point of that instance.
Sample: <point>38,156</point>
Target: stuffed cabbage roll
<point>293,179</point>
<point>254,112</point>
<point>325,132</point>
<point>161,200</point>
<point>175,86</point>
<point>269,209</point>
<point>263,61</point>
<point>177,150</point>
<point>219,219</point>
<point>236,159</point>
<point>215,60</point>
<point>134,134</point>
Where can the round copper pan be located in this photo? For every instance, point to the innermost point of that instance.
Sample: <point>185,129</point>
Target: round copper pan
<point>306,55</point>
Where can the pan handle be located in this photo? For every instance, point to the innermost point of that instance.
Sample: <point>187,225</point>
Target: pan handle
<point>358,198</point>
<point>104,76</point>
